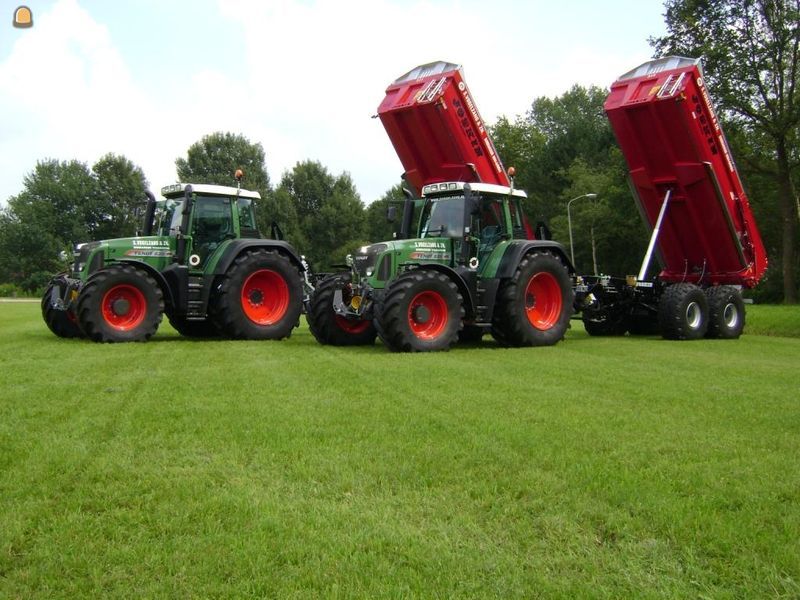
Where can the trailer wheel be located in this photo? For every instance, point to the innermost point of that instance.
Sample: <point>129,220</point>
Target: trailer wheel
<point>120,304</point>
<point>726,314</point>
<point>194,329</point>
<point>535,305</point>
<point>421,310</point>
<point>326,325</point>
<point>683,312</point>
<point>63,323</point>
<point>259,298</point>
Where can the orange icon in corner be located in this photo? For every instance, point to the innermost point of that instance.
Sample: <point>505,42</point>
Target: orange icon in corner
<point>23,17</point>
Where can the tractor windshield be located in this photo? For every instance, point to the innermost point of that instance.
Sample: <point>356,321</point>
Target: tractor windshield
<point>443,217</point>
<point>164,217</point>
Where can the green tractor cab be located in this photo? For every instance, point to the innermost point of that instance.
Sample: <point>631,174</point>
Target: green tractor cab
<point>200,260</point>
<point>471,268</point>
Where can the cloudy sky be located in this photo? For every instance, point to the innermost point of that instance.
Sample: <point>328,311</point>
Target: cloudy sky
<point>147,78</point>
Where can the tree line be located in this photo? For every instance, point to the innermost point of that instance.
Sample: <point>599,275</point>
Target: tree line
<point>562,149</point>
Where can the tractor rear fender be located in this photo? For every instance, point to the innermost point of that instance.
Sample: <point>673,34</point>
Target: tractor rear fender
<point>237,247</point>
<point>519,248</point>
<point>464,289</point>
<point>166,289</point>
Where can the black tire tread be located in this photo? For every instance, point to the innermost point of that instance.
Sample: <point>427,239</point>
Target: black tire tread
<point>509,326</point>
<point>58,321</point>
<point>718,299</point>
<point>88,308</point>
<point>391,319</point>
<point>671,312</point>
<point>322,319</point>
<point>226,311</point>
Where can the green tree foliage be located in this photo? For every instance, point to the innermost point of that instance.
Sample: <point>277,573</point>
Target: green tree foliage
<point>752,67</point>
<point>215,159</point>
<point>329,210</point>
<point>62,204</point>
<point>564,148</point>
<point>379,229</point>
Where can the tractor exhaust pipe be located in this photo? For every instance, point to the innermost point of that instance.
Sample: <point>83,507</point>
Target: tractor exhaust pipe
<point>149,213</point>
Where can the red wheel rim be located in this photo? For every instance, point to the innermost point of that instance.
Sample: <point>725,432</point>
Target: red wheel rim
<point>265,297</point>
<point>124,307</point>
<point>543,301</point>
<point>427,315</point>
<point>352,326</point>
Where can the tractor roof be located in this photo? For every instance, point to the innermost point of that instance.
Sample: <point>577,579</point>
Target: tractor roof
<point>178,189</point>
<point>452,186</point>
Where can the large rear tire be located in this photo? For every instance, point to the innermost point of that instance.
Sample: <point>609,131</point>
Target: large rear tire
<point>726,314</point>
<point>683,312</point>
<point>326,325</point>
<point>63,323</point>
<point>535,305</point>
<point>259,298</point>
<point>421,310</point>
<point>120,304</point>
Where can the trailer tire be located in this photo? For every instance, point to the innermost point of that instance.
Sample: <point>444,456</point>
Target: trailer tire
<point>63,323</point>
<point>683,312</point>
<point>420,311</point>
<point>326,325</point>
<point>535,305</point>
<point>259,298</point>
<point>120,304</point>
<point>194,329</point>
<point>726,313</point>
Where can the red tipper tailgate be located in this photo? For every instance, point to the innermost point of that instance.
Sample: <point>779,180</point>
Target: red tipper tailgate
<point>669,133</point>
<point>436,130</point>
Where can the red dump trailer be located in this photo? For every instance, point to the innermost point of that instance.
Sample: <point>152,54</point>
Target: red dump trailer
<point>436,129</point>
<point>689,193</point>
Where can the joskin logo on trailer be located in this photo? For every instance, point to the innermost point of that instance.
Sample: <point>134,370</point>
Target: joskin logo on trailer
<point>476,145</point>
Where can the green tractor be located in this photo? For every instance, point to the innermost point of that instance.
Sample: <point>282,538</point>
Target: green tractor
<point>473,267</point>
<point>201,260</point>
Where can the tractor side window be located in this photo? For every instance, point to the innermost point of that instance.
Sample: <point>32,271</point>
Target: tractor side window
<point>491,225</point>
<point>247,218</point>
<point>212,225</point>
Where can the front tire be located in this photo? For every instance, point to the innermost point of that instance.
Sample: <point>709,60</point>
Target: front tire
<point>120,304</point>
<point>326,325</point>
<point>421,311</point>
<point>683,312</point>
<point>259,298</point>
<point>63,323</point>
<point>726,314</point>
<point>535,305</point>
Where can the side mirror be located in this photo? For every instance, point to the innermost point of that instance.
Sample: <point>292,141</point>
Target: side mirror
<point>391,214</point>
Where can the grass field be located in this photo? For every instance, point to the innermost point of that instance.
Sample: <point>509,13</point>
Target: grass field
<point>628,467</point>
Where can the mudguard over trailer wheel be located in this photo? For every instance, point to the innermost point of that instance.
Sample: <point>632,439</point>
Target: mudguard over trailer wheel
<point>534,306</point>
<point>326,325</point>
<point>421,310</point>
<point>61,322</point>
<point>683,312</point>
<point>259,298</point>
<point>725,312</point>
<point>120,304</point>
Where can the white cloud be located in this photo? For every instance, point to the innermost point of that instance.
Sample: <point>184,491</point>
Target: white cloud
<point>314,74</point>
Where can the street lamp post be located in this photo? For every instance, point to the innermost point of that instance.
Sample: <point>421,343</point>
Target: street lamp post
<point>569,223</point>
